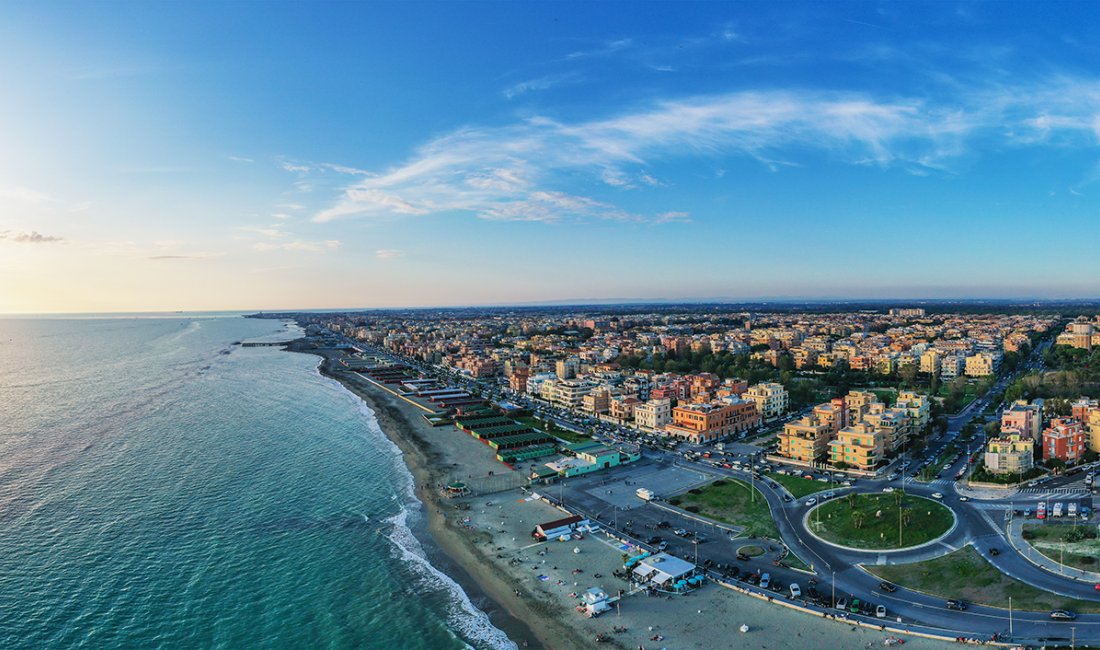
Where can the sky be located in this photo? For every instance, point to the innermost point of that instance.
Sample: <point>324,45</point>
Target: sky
<point>202,155</point>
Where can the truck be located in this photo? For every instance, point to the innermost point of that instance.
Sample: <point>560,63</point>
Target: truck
<point>1057,510</point>
<point>645,494</point>
<point>1041,510</point>
<point>1071,509</point>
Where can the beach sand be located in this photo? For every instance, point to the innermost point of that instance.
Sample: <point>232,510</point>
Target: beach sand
<point>488,549</point>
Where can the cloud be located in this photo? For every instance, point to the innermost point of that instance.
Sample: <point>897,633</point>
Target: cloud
<point>545,169</point>
<point>241,159</point>
<point>184,257</point>
<point>388,253</point>
<point>541,83</point>
<point>295,168</point>
<point>604,49</point>
<point>298,245</point>
<point>32,237</point>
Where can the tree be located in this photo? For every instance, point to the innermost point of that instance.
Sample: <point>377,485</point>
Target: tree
<point>858,518</point>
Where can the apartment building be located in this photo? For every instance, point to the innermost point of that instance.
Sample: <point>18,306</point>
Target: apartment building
<point>1024,419</point>
<point>918,407</point>
<point>622,408</point>
<point>893,423</point>
<point>832,414</point>
<point>860,446</point>
<point>1065,440</point>
<point>951,366</point>
<point>569,393</point>
<point>806,439</point>
<point>771,400</point>
<point>930,362</point>
<point>858,403</point>
<point>982,364</point>
<point>1011,454</point>
<point>597,402</point>
<point>701,423</point>
<point>654,414</point>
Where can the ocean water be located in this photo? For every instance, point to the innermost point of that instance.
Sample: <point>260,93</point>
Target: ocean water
<point>161,487</point>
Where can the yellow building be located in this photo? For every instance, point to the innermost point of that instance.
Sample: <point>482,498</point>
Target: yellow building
<point>893,423</point>
<point>1010,455</point>
<point>805,439</point>
<point>771,399</point>
<point>860,446</point>
<point>858,403</point>
<point>930,362</point>
<point>981,365</point>
<point>1094,430</point>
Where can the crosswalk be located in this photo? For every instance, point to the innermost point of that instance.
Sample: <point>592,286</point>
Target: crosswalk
<point>1039,492</point>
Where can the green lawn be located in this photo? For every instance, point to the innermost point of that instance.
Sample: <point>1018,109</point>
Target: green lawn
<point>870,521</point>
<point>797,485</point>
<point>554,430</point>
<point>1066,544</point>
<point>966,575</point>
<point>730,501</point>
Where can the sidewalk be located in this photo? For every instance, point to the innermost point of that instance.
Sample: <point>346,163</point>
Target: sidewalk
<point>1016,539</point>
<point>964,488</point>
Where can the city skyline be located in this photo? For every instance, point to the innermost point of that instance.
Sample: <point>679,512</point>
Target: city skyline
<point>206,157</point>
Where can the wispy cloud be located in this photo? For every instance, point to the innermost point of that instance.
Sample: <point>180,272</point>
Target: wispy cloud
<point>543,169</point>
<point>388,253</point>
<point>541,83</point>
<point>241,159</point>
<point>298,245</point>
<point>32,237</point>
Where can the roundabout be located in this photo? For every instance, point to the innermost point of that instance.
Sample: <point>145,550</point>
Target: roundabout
<point>880,522</point>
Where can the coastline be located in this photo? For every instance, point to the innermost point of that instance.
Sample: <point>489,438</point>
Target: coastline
<point>529,591</point>
<point>446,548</point>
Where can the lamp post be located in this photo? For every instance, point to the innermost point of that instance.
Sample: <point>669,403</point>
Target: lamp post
<point>1010,616</point>
<point>834,589</point>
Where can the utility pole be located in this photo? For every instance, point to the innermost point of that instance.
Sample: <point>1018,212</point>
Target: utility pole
<point>834,588</point>
<point>1010,616</point>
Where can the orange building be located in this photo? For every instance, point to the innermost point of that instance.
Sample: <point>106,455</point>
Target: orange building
<point>709,422</point>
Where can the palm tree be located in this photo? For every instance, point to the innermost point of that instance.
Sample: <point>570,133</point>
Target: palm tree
<point>857,518</point>
<point>899,494</point>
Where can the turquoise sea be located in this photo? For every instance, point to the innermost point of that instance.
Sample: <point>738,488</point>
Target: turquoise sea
<point>162,487</point>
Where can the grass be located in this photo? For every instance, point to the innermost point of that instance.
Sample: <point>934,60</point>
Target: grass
<point>730,501</point>
<point>751,550</point>
<point>795,562</point>
<point>797,485</point>
<point>851,521</point>
<point>966,575</point>
<point>1056,541</point>
<point>555,430</point>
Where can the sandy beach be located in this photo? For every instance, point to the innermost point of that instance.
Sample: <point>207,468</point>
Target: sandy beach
<point>485,544</point>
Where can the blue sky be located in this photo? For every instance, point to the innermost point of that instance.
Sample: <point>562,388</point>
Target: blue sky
<point>301,155</point>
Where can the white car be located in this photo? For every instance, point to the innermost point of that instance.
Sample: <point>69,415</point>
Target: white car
<point>888,489</point>
<point>880,611</point>
<point>810,502</point>
<point>937,495</point>
<point>796,591</point>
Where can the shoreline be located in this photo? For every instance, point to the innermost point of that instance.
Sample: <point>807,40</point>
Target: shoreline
<point>526,594</point>
<point>452,553</point>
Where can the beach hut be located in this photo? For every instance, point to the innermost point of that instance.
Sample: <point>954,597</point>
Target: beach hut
<point>457,489</point>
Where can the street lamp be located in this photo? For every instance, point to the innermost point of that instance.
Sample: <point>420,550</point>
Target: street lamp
<point>834,588</point>
<point>1010,617</point>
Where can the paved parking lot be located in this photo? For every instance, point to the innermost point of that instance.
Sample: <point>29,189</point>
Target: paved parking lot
<point>618,487</point>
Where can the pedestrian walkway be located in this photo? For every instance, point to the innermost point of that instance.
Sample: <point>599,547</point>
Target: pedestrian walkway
<point>1016,539</point>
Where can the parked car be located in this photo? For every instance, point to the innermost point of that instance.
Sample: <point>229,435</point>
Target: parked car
<point>796,591</point>
<point>880,611</point>
<point>886,586</point>
<point>854,607</point>
<point>842,604</point>
<point>765,580</point>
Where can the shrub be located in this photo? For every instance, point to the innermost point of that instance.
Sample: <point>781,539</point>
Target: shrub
<point>694,509</point>
<point>695,491</point>
<point>675,501</point>
<point>719,483</point>
<point>1028,534</point>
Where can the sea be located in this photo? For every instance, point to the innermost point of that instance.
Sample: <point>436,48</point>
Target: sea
<point>162,486</point>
